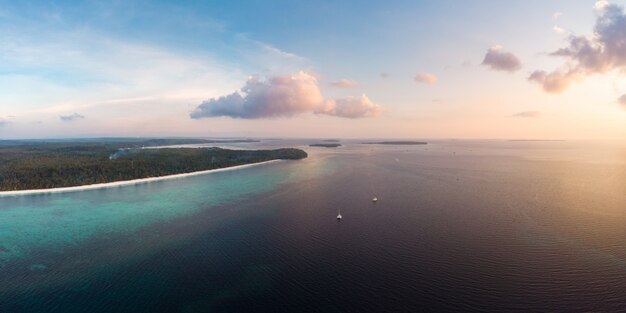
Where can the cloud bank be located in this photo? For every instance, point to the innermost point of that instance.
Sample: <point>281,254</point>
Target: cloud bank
<point>71,117</point>
<point>604,51</point>
<point>500,60</point>
<point>344,83</point>
<point>426,78</point>
<point>283,96</point>
<point>528,114</point>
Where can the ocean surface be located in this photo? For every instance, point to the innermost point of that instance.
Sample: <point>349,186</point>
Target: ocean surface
<point>459,226</point>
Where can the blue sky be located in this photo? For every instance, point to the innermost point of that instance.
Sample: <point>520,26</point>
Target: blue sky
<point>142,68</point>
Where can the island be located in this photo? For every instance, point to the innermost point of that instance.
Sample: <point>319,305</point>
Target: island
<point>326,145</point>
<point>25,166</point>
<point>536,140</point>
<point>402,143</point>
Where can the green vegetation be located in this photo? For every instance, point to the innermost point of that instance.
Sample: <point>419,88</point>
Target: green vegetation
<point>51,165</point>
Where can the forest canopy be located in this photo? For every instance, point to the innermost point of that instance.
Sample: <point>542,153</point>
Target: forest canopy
<point>66,164</point>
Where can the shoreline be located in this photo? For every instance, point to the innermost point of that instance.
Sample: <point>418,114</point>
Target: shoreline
<point>125,182</point>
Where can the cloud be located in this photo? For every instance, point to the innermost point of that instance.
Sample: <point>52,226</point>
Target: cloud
<point>270,48</point>
<point>426,78</point>
<point>499,60</point>
<point>344,83</point>
<point>283,96</point>
<point>556,15</point>
<point>71,117</point>
<point>351,107</point>
<point>556,81</point>
<point>384,75</point>
<point>601,5</point>
<point>558,29</point>
<point>604,51</point>
<point>281,53</point>
<point>527,114</point>
<point>622,100</point>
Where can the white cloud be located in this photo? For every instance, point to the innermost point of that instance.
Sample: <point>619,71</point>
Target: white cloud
<point>601,5</point>
<point>558,29</point>
<point>426,78</point>
<point>262,57</point>
<point>279,52</point>
<point>283,96</point>
<point>557,15</point>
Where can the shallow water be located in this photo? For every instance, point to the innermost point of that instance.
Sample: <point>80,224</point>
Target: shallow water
<point>468,226</point>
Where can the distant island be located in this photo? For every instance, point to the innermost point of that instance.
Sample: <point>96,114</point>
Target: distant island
<point>402,143</point>
<point>66,164</point>
<point>326,145</point>
<point>523,140</point>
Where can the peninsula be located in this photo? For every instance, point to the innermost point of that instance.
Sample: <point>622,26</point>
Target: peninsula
<point>68,164</point>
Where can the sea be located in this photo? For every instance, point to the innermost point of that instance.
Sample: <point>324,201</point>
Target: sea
<point>459,226</point>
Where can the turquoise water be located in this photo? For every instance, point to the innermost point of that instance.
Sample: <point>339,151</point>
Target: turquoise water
<point>54,222</point>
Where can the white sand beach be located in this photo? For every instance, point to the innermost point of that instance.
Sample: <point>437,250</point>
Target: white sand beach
<point>125,182</point>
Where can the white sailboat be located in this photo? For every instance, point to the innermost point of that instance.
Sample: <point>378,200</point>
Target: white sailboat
<point>339,217</point>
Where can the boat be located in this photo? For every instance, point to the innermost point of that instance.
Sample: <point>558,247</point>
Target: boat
<point>375,199</point>
<point>339,217</point>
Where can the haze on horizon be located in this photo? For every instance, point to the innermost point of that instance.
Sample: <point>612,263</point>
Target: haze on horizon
<point>406,69</point>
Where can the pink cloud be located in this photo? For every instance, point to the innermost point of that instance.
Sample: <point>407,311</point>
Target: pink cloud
<point>351,107</point>
<point>426,78</point>
<point>283,96</point>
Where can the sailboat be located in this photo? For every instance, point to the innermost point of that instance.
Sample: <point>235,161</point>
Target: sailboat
<point>339,217</point>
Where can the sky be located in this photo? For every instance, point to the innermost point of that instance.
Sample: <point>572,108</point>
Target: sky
<point>478,69</point>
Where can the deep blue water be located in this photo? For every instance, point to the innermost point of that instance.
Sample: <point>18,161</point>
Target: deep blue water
<point>460,226</point>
